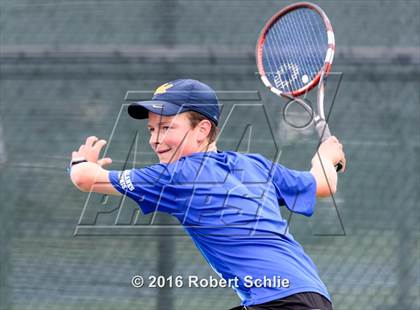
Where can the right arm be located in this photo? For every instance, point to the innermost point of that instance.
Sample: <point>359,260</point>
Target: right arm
<point>329,154</point>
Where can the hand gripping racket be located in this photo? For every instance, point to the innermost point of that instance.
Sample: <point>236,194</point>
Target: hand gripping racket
<point>294,54</point>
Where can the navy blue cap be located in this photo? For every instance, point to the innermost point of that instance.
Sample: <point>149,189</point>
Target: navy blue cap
<point>179,96</point>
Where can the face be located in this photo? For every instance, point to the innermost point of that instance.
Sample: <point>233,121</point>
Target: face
<point>172,137</point>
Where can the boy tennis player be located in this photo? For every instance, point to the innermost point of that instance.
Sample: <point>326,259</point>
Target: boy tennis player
<point>228,202</point>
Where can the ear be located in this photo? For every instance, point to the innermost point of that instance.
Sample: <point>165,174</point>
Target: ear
<point>203,130</point>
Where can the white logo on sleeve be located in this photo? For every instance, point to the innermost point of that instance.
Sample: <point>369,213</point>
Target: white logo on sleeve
<point>125,180</point>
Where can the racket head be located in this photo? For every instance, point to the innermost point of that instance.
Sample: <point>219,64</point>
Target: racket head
<point>295,48</point>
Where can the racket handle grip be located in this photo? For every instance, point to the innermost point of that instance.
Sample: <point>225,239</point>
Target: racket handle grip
<point>324,133</point>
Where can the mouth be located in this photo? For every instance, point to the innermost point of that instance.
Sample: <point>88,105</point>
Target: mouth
<point>160,152</point>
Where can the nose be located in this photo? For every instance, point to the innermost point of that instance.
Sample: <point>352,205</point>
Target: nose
<point>154,138</point>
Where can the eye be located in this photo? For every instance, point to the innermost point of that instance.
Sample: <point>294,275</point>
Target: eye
<point>165,127</point>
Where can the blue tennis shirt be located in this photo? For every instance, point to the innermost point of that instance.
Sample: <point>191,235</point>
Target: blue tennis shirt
<point>229,203</point>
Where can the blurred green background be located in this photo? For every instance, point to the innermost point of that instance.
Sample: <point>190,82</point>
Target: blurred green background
<point>66,67</point>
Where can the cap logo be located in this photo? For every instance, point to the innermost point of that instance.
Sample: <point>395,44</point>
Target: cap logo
<point>157,106</point>
<point>162,89</point>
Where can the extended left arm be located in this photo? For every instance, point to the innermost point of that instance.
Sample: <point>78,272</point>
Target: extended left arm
<point>89,175</point>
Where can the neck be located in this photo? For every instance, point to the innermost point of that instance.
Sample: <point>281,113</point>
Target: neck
<point>208,147</point>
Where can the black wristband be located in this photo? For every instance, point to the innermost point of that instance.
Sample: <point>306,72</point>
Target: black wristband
<point>72,163</point>
<point>76,162</point>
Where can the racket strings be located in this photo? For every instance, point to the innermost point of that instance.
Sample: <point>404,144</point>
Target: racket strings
<point>284,59</point>
<point>296,42</point>
<point>319,31</point>
<point>294,49</point>
<point>292,59</point>
<point>317,62</point>
<point>308,39</point>
<point>304,41</point>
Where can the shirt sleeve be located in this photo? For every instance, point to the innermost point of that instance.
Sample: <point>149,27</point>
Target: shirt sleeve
<point>149,187</point>
<point>295,189</point>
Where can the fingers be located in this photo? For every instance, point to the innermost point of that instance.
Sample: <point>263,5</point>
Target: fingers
<point>333,149</point>
<point>99,145</point>
<point>90,141</point>
<point>343,165</point>
<point>76,156</point>
<point>91,149</point>
<point>105,161</point>
<point>342,159</point>
<point>333,139</point>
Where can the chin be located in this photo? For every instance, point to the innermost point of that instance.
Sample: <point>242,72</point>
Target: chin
<point>167,159</point>
<point>171,157</point>
<point>163,160</point>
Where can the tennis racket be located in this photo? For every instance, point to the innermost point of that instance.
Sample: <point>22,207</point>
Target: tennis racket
<point>294,54</point>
